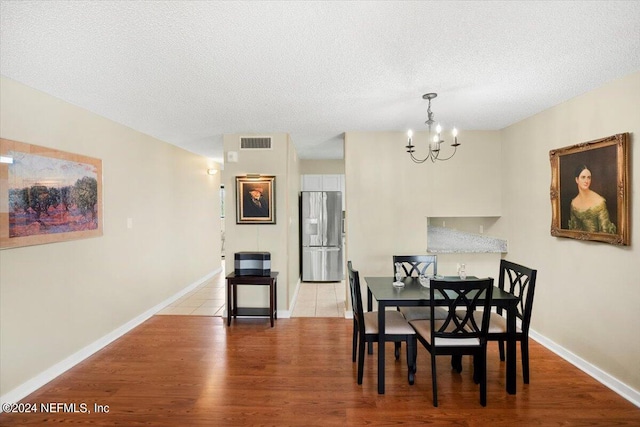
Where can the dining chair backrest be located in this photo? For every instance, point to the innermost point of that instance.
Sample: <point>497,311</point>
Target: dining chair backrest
<point>356,296</point>
<point>415,265</point>
<point>462,298</point>
<point>521,282</point>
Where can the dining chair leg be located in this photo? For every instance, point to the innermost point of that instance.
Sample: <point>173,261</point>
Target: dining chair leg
<point>397,349</point>
<point>355,339</point>
<point>501,349</point>
<point>411,361</point>
<point>415,355</point>
<point>524,347</point>
<point>483,377</point>
<point>360,361</point>
<point>434,380</point>
<point>477,377</point>
<point>456,362</point>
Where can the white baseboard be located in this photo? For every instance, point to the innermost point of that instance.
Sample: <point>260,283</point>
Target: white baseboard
<point>59,368</point>
<point>284,314</point>
<point>614,384</point>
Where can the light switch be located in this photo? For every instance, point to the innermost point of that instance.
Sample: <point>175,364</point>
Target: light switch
<point>129,223</point>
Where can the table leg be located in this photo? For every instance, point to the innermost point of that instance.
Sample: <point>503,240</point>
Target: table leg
<point>229,308</point>
<point>234,300</point>
<point>369,308</point>
<point>381,342</point>
<point>275,298</point>
<point>511,350</point>
<point>271,302</point>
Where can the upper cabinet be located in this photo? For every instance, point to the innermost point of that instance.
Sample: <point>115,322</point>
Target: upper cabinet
<point>332,182</point>
<point>311,183</point>
<point>323,182</point>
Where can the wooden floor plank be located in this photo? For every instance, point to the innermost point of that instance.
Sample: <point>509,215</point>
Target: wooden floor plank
<point>196,371</point>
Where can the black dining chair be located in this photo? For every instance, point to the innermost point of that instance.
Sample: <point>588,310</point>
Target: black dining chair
<point>365,328</point>
<point>414,266</point>
<point>521,282</point>
<point>460,333</point>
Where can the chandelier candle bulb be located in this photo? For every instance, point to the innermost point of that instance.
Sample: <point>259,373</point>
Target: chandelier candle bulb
<point>409,146</point>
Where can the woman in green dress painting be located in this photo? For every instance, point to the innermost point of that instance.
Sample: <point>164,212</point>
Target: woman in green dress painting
<point>589,209</point>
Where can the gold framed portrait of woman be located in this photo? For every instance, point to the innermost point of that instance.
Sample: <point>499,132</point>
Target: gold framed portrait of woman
<point>590,190</point>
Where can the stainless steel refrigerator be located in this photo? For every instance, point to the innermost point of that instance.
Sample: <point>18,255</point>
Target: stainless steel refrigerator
<point>321,236</point>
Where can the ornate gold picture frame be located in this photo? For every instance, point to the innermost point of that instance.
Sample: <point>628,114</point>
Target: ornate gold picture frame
<point>590,190</point>
<point>255,199</point>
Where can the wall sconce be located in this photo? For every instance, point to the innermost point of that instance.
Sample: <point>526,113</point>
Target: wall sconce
<point>212,171</point>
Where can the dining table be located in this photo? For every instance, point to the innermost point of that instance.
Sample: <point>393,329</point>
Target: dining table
<point>414,294</point>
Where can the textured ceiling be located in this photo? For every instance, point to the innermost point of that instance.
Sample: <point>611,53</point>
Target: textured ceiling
<point>188,72</point>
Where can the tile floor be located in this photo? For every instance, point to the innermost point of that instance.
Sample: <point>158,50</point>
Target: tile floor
<point>320,300</point>
<point>313,300</point>
<point>207,299</point>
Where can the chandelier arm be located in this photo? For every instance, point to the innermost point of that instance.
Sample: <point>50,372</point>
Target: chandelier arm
<point>452,154</point>
<point>417,160</point>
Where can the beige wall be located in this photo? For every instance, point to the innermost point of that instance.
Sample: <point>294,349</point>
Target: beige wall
<point>588,293</point>
<point>279,238</point>
<point>388,197</point>
<point>321,167</point>
<point>293,223</point>
<point>58,298</point>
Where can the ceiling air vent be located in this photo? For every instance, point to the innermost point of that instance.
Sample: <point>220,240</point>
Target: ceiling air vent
<point>255,143</point>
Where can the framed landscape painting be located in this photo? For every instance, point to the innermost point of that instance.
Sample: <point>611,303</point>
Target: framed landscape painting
<point>590,190</point>
<point>255,200</point>
<point>47,195</point>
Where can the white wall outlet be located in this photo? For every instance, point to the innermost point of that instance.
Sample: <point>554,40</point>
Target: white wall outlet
<point>482,229</point>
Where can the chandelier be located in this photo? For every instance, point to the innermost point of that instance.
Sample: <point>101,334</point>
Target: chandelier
<point>434,141</point>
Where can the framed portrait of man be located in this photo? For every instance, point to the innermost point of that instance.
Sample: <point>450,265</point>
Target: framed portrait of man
<point>255,200</point>
<point>590,190</point>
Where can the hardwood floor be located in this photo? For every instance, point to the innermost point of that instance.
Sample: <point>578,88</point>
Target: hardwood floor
<point>195,371</point>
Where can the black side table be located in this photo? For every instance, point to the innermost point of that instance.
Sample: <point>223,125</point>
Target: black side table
<point>232,296</point>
